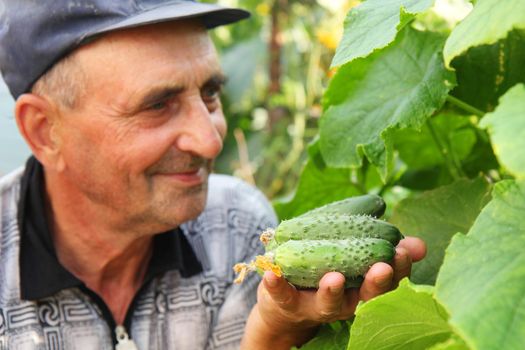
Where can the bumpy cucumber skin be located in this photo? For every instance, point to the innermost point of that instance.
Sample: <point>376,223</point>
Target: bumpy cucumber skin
<point>335,226</point>
<point>271,245</point>
<point>368,204</point>
<point>304,262</point>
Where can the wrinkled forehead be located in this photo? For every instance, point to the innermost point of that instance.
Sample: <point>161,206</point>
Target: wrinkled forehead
<point>129,62</point>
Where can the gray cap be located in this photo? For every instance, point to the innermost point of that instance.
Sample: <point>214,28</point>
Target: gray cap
<point>35,34</point>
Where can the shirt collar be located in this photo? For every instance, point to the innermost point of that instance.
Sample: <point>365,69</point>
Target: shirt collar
<point>42,275</point>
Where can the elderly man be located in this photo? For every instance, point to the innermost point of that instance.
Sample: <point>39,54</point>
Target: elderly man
<point>115,233</point>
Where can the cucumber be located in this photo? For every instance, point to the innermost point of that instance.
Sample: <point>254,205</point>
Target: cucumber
<point>368,204</point>
<point>342,236</point>
<point>335,226</point>
<point>303,263</point>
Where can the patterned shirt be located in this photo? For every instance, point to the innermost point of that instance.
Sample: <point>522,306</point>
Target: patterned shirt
<point>188,301</point>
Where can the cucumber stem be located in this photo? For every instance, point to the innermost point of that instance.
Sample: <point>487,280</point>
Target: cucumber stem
<point>453,167</point>
<point>465,106</point>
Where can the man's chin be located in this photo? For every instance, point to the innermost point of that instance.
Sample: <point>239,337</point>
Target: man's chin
<point>184,206</point>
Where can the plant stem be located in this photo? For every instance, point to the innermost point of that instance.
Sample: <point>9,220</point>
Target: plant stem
<point>465,106</point>
<point>453,168</point>
<point>454,159</point>
<point>355,180</point>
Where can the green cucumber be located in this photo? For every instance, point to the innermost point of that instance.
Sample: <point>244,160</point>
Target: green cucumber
<point>336,226</point>
<point>303,263</point>
<point>341,236</point>
<point>368,204</point>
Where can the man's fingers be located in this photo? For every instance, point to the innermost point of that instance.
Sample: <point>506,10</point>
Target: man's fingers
<point>282,293</point>
<point>402,264</point>
<point>378,280</point>
<point>330,296</point>
<point>415,247</point>
<point>330,302</point>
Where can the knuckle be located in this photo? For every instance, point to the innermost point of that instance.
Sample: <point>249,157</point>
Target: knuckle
<point>327,316</point>
<point>403,257</point>
<point>285,302</point>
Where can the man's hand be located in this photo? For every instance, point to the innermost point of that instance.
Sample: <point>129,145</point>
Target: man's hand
<point>285,316</point>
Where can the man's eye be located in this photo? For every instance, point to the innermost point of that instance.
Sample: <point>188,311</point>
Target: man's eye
<point>211,92</point>
<point>158,106</point>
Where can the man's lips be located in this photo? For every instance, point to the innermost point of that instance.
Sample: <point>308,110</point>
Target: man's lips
<point>191,177</point>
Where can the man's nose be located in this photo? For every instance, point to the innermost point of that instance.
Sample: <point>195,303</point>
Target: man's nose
<point>201,130</point>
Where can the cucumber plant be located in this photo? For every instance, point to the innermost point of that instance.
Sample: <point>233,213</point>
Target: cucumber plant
<point>427,109</point>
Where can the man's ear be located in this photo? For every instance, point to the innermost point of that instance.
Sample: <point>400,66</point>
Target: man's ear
<point>37,121</point>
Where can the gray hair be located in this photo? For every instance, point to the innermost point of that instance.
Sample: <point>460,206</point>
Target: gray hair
<point>62,83</point>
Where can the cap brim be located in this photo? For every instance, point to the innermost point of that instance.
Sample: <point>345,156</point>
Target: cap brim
<point>211,15</point>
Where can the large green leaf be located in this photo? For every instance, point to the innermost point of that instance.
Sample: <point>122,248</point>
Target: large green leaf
<point>482,280</point>
<point>448,133</point>
<point>486,72</point>
<point>506,126</point>
<point>373,25</point>
<point>454,343</point>
<point>436,216</point>
<point>489,21</point>
<point>395,88</point>
<point>317,185</point>
<point>406,319</point>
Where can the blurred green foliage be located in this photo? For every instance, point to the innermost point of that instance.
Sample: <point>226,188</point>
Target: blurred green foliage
<point>277,63</point>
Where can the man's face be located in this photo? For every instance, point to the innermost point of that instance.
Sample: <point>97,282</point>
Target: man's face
<point>147,127</point>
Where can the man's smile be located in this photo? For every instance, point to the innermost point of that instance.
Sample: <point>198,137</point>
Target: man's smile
<point>191,177</point>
